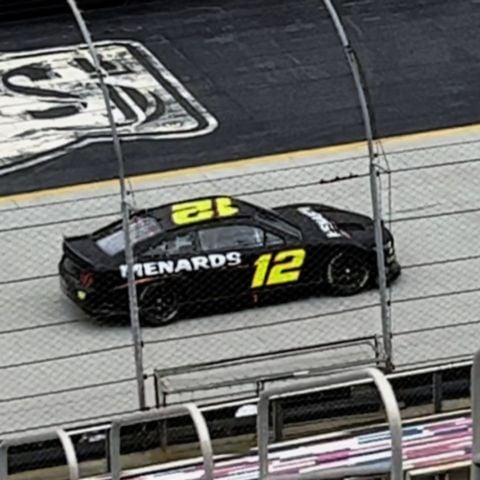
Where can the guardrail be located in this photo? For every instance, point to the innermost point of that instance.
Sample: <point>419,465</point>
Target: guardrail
<point>429,386</point>
<point>65,440</point>
<point>162,414</point>
<point>203,436</point>
<point>167,382</point>
<point>115,426</point>
<point>395,466</point>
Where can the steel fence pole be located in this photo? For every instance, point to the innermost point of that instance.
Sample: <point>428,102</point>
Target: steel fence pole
<point>132,291</point>
<point>373,171</point>
<point>475,401</point>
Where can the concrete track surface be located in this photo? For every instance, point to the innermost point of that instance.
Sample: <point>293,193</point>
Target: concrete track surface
<point>272,73</point>
<point>58,367</point>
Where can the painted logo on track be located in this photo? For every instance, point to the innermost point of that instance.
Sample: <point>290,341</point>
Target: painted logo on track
<point>51,102</point>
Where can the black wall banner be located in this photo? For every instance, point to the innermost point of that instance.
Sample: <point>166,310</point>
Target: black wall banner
<point>12,10</point>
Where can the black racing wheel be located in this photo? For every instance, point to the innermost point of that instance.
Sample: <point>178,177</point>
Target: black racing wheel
<point>347,273</point>
<point>159,306</point>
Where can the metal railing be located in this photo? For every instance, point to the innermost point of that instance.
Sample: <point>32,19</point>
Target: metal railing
<point>162,414</point>
<point>115,440</point>
<point>65,440</point>
<point>168,383</point>
<point>394,466</point>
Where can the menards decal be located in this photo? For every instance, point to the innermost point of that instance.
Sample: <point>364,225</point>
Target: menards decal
<point>192,264</point>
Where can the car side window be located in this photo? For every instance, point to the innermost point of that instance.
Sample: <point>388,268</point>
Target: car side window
<point>231,237</point>
<point>174,245</point>
<point>271,240</point>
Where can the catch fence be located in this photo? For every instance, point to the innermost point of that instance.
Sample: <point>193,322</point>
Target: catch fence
<point>434,217</point>
<point>86,364</point>
<point>55,358</point>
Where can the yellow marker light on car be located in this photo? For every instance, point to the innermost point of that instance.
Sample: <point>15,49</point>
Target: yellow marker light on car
<point>81,295</point>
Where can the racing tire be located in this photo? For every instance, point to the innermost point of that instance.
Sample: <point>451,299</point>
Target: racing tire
<point>159,306</point>
<point>347,273</point>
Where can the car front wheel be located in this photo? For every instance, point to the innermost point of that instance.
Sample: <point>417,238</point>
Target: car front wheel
<point>159,306</point>
<point>347,273</point>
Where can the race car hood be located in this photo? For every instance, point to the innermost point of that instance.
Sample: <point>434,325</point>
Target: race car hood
<point>329,223</point>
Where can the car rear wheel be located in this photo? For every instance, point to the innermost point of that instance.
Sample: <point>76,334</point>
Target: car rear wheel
<point>347,273</point>
<point>159,306</point>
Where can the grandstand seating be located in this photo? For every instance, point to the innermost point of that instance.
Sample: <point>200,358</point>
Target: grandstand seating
<point>436,443</point>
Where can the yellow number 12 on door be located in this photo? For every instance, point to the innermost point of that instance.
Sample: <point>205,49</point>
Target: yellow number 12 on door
<point>282,267</point>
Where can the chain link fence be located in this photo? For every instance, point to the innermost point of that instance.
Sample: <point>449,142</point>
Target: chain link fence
<point>83,358</point>
<point>434,217</point>
<point>57,358</point>
<point>53,358</point>
<point>80,364</point>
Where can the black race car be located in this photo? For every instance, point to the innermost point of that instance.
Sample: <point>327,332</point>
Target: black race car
<point>222,249</point>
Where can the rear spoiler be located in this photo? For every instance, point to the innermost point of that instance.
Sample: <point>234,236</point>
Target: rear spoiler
<point>78,254</point>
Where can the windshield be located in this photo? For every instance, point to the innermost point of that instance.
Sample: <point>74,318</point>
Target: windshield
<point>272,219</point>
<point>140,229</point>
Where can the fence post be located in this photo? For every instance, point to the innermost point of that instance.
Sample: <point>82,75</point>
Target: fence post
<point>373,171</point>
<point>395,465</point>
<point>132,289</point>
<point>475,389</point>
<point>277,420</point>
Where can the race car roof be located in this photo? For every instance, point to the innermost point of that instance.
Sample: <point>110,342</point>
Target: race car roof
<point>200,210</point>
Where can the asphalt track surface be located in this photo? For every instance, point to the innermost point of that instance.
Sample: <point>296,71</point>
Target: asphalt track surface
<point>273,75</point>
<point>57,367</point>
